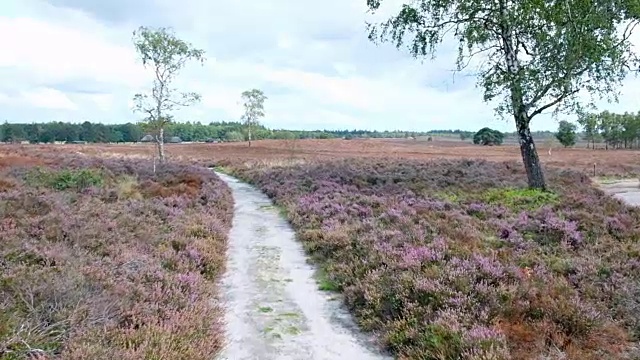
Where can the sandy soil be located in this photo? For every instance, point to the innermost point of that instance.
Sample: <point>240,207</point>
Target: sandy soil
<point>274,307</point>
<point>626,190</point>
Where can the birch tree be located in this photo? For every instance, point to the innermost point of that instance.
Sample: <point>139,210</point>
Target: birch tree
<point>589,123</point>
<point>165,54</point>
<point>253,103</point>
<point>535,56</point>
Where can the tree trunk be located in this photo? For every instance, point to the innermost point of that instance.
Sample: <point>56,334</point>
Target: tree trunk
<point>528,150</point>
<point>160,141</point>
<point>530,158</point>
<point>249,133</point>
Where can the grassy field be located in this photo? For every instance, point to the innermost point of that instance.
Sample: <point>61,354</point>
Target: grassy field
<point>613,163</point>
<point>437,246</point>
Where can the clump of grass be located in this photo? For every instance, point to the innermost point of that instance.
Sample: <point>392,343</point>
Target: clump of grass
<point>520,198</point>
<point>293,330</point>
<point>127,187</point>
<point>290,315</point>
<point>74,179</point>
<point>324,282</point>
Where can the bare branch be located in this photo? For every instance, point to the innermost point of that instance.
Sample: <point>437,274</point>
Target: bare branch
<point>558,80</point>
<point>555,102</point>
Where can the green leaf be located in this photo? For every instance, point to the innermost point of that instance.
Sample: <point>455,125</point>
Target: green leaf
<point>562,47</point>
<point>165,54</point>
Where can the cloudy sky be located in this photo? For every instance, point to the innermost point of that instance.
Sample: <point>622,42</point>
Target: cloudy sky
<point>73,60</point>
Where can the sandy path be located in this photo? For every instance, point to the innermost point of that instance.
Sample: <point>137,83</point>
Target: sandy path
<point>625,190</point>
<point>274,309</point>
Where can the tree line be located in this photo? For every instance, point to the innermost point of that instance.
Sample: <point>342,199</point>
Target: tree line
<point>616,131</point>
<point>187,131</point>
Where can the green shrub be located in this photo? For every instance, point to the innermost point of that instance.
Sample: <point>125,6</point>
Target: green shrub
<point>520,199</point>
<point>486,136</point>
<point>65,179</point>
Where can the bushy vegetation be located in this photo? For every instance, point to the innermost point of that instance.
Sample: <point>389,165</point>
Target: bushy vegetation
<point>456,259</point>
<point>102,259</point>
<point>566,134</point>
<point>486,136</point>
<point>77,179</point>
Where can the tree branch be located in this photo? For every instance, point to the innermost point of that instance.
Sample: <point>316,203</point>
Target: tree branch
<point>545,90</point>
<point>553,103</point>
<point>470,56</point>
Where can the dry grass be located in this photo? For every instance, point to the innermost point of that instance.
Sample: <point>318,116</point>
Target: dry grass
<point>279,152</point>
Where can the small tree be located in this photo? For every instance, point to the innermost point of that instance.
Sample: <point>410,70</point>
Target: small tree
<point>487,136</point>
<point>234,136</point>
<point>566,134</point>
<point>535,55</point>
<point>290,141</point>
<point>589,123</point>
<point>253,102</point>
<point>166,55</point>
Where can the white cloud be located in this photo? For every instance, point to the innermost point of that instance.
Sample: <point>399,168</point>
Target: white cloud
<point>48,99</point>
<point>104,102</point>
<point>285,41</point>
<point>56,52</point>
<point>313,60</point>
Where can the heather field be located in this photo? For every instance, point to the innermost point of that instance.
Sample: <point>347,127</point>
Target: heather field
<point>619,163</point>
<point>453,259</point>
<point>102,259</point>
<point>438,255</point>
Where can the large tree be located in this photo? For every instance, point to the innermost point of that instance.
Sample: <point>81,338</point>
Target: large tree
<point>486,136</point>
<point>566,134</point>
<point>160,50</point>
<point>535,55</point>
<point>253,103</point>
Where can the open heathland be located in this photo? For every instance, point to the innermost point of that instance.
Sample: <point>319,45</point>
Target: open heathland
<point>456,259</point>
<point>103,259</point>
<point>441,256</point>
<point>276,152</point>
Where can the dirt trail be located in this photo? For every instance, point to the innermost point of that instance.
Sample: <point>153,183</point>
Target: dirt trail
<point>626,190</point>
<point>274,309</point>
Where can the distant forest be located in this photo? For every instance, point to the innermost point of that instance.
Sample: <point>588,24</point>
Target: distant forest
<point>215,131</point>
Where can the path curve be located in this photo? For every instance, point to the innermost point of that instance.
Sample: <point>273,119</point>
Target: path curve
<point>274,309</point>
<point>627,190</point>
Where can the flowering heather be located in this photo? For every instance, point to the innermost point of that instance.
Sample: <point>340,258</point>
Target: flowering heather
<point>102,259</point>
<point>456,259</point>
